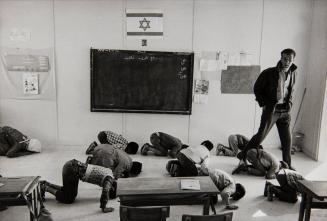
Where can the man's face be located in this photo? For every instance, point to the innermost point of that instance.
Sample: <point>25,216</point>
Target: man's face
<point>287,60</point>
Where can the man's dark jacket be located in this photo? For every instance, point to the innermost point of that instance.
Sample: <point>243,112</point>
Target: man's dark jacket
<point>265,87</point>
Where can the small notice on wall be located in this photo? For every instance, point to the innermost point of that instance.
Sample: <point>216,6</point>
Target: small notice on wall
<point>30,83</point>
<point>201,91</point>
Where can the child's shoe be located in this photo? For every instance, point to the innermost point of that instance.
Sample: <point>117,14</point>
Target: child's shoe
<point>91,147</point>
<point>145,148</point>
<point>42,184</point>
<point>265,192</point>
<point>242,167</point>
<point>270,193</point>
<point>220,151</point>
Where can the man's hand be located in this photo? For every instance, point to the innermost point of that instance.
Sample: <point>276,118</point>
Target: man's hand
<point>107,209</point>
<point>269,108</point>
<point>270,177</point>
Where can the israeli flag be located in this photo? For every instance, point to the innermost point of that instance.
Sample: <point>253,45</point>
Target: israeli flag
<point>144,24</point>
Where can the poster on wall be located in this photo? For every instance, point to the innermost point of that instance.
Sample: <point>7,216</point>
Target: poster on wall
<point>201,91</point>
<point>27,74</point>
<point>27,62</point>
<point>30,83</point>
<point>144,23</point>
<point>239,79</point>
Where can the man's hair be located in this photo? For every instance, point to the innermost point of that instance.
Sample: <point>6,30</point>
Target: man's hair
<point>136,168</point>
<point>288,51</point>
<point>208,144</point>
<point>132,148</point>
<point>239,193</point>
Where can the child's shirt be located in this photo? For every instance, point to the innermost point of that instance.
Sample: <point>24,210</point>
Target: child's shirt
<point>117,160</point>
<point>292,178</point>
<point>96,174</point>
<point>224,182</point>
<point>117,140</point>
<point>266,159</point>
<point>200,155</point>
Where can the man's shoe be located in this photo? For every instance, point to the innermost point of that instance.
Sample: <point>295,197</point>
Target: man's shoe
<point>292,168</point>
<point>265,192</point>
<point>145,148</point>
<point>90,149</point>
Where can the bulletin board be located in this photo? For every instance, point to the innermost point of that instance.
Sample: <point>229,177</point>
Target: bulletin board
<point>239,79</point>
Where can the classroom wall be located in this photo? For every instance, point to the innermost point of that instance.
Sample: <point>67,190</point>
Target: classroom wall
<point>314,116</point>
<point>260,27</point>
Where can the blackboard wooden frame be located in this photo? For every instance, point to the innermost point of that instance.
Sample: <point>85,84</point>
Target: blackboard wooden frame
<point>182,70</point>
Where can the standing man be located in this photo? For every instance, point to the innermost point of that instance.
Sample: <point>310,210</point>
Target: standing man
<point>273,91</point>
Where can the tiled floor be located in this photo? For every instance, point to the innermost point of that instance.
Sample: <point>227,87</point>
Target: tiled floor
<point>253,206</point>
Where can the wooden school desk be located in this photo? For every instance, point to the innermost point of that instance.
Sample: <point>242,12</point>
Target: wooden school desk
<point>312,190</point>
<point>160,191</point>
<point>19,191</point>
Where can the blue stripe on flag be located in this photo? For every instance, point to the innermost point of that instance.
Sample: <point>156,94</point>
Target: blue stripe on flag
<point>144,15</point>
<point>145,33</point>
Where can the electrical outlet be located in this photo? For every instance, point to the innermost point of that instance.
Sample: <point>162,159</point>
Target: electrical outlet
<point>144,42</point>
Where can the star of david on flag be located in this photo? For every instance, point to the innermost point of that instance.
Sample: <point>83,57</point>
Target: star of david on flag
<point>144,24</point>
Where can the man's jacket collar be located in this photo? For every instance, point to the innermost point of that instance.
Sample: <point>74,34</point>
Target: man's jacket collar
<point>291,69</point>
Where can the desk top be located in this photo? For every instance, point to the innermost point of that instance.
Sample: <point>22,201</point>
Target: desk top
<point>318,189</point>
<point>17,185</point>
<point>162,186</point>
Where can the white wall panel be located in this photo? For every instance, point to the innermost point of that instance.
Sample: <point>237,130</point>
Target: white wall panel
<point>36,118</point>
<point>230,26</point>
<point>80,25</point>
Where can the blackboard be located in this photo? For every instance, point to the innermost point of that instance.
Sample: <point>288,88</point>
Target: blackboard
<point>141,81</point>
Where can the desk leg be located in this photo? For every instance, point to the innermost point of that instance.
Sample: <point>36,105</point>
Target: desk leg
<point>308,208</point>
<point>34,205</point>
<point>302,206</point>
<point>33,218</point>
<point>206,206</point>
<point>213,208</point>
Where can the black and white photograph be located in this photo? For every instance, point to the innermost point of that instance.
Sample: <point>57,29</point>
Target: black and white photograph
<point>154,110</point>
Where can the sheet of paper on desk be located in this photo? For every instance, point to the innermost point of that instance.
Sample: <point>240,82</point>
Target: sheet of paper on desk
<point>190,184</point>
